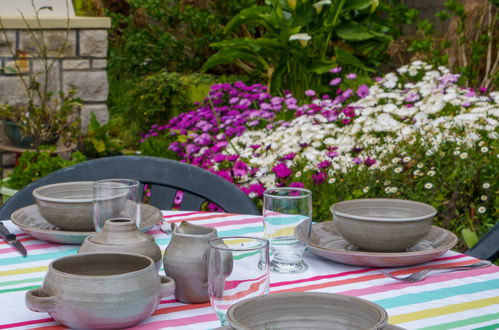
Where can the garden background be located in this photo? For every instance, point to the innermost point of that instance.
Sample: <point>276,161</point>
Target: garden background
<point>350,99</point>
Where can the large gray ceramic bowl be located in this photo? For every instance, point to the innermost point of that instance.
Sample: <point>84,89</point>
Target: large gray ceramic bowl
<point>67,205</point>
<point>306,310</point>
<point>383,224</point>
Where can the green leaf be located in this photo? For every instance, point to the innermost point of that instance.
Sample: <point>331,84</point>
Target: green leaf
<point>470,237</point>
<point>321,67</point>
<point>99,145</point>
<point>352,31</point>
<point>229,55</point>
<point>247,15</point>
<point>346,58</point>
<point>360,4</point>
<point>357,193</point>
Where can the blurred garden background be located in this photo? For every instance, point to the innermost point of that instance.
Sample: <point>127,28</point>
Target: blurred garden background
<point>350,99</point>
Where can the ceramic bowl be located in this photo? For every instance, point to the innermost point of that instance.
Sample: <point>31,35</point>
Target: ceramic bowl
<point>100,290</point>
<point>68,205</point>
<point>383,224</point>
<point>306,310</point>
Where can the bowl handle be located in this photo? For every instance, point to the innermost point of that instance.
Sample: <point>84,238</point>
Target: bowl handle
<point>38,301</point>
<point>167,286</point>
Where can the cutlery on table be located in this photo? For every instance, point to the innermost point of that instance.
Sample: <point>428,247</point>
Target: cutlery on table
<point>12,240</point>
<point>421,275</point>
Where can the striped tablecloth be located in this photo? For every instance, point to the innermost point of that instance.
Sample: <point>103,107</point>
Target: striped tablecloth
<point>457,300</point>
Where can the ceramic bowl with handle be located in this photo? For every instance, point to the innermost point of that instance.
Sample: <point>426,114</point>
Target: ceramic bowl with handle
<point>100,290</point>
<point>383,224</point>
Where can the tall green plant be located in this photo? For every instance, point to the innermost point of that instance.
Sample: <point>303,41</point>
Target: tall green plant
<point>301,40</point>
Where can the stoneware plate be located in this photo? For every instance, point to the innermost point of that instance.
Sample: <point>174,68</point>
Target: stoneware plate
<point>325,241</point>
<point>306,310</point>
<point>386,327</point>
<point>32,223</point>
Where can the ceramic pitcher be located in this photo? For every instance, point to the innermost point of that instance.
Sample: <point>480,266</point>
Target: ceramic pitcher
<point>184,260</point>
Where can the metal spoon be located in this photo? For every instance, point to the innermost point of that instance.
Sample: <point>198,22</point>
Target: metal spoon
<point>422,274</point>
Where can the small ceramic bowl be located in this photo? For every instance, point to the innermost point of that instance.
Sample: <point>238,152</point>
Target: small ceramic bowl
<point>67,205</point>
<point>383,224</point>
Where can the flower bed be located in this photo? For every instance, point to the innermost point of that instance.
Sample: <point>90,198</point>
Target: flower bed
<point>413,134</point>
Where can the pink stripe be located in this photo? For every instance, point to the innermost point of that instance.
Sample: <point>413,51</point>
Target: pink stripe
<point>31,247</point>
<point>435,279</point>
<point>20,324</point>
<point>179,322</point>
<point>233,222</point>
<point>360,271</point>
<point>181,215</point>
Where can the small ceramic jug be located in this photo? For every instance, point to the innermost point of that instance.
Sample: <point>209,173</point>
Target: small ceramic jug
<point>184,261</point>
<point>122,235</point>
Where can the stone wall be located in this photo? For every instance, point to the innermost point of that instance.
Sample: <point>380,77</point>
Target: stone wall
<point>79,62</point>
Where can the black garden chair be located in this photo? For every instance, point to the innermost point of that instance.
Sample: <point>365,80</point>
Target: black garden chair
<point>488,246</point>
<point>164,177</point>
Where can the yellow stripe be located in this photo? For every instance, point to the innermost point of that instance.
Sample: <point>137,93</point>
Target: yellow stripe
<point>23,271</point>
<point>283,232</point>
<point>424,314</point>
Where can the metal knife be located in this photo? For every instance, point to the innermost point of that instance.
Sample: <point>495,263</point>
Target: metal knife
<point>12,240</point>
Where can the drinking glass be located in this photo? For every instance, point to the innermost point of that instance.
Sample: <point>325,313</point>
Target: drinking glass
<point>238,268</point>
<point>286,210</point>
<point>115,198</point>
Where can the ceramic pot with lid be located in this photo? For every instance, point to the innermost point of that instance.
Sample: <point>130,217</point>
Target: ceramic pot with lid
<point>122,235</point>
<point>185,261</point>
<point>100,290</point>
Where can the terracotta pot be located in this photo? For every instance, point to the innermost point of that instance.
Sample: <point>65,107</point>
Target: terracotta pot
<point>122,235</point>
<point>185,261</point>
<point>100,290</point>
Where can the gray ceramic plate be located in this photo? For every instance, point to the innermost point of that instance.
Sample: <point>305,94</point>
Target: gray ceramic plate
<point>386,327</point>
<point>306,310</point>
<point>32,223</point>
<point>325,241</point>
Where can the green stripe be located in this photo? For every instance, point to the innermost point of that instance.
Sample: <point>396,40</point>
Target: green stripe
<point>24,288</point>
<point>37,257</point>
<point>28,280</point>
<point>461,323</point>
<point>416,298</point>
<point>489,327</point>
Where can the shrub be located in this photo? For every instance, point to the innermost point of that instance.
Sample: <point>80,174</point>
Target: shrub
<point>414,134</point>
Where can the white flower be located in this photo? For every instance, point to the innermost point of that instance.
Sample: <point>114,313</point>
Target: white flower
<point>318,5</point>
<point>303,38</point>
<point>420,165</point>
<point>395,160</point>
<point>365,190</point>
<point>406,159</point>
<point>332,180</point>
<point>486,185</point>
<point>388,190</point>
<point>428,185</point>
<point>397,169</point>
<point>464,155</point>
<point>484,198</point>
<point>387,182</point>
<point>482,209</point>
<point>484,149</point>
<point>456,152</point>
<point>298,174</point>
<point>431,173</point>
<point>393,190</point>
<point>417,173</point>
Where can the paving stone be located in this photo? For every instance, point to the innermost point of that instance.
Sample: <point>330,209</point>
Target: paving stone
<point>99,64</point>
<point>55,42</point>
<point>90,86</point>
<point>68,64</point>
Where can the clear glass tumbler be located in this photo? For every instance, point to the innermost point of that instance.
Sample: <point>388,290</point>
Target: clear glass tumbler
<point>115,198</point>
<point>286,210</point>
<point>238,268</point>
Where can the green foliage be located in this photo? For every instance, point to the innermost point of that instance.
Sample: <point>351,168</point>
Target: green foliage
<point>473,46</point>
<point>301,40</point>
<point>98,142</point>
<point>158,97</point>
<point>33,165</point>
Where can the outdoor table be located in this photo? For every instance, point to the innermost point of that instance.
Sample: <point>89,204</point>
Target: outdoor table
<point>465,299</point>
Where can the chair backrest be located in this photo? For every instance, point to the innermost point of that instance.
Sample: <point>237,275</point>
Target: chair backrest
<point>164,176</point>
<point>488,246</point>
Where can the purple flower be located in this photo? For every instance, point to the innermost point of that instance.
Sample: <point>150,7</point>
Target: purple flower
<point>483,89</point>
<point>336,70</point>
<point>324,164</point>
<point>297,185</point>
<point>203,139</point>
<point>369,161</point>
<point>362,91</point>
<point>240,168</point>
<point>412,97</point>
<point>357,160</point>
<point>309,92</point>
<point>219,158</point>
<point>232,158</point>
<point>319,178</point>
<point>289,156</point>
<point>335,81</point>
<point>281,170</point>
<point>257,188</point>
<point>351,76</point>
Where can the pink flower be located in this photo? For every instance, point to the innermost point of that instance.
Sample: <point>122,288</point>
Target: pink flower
<point>319,178</point>
<point>309,92</point>
<point>336,70</point>
<point>297,185</point>
<point>351,76</point>
<point>324,164</point>
<point>335,81</point>
<point>282,170</point>
<point>369,161</point>
<point>363,91</point>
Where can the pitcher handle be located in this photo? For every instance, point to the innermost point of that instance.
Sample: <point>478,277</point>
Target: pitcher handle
<point>38,301</point>
<point>167,286</point>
